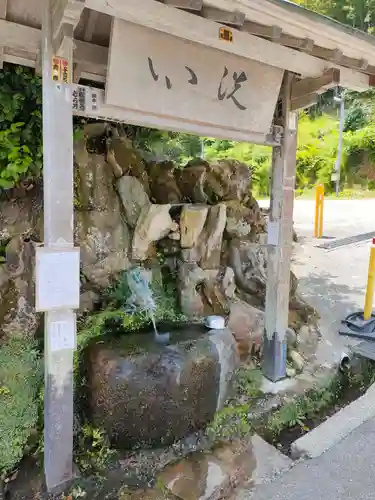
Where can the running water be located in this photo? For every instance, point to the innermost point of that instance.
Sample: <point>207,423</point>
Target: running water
<point>142,299</point>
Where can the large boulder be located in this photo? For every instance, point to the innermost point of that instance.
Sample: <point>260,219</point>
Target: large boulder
<point>154,223</point>
<point>21,213</point>
<point>100,229</point>
<point>244,221</point>
<point>163,183</point>
<point>17,290</point>
<point>190,277</point>
<point>248,261</point>
<point>208,246</point>
<point>214,229</point>
<point>247,325</point>
<point>125,160</point>
<point>201,182</point>
<point>141,392</point>
<point>133,198</point>
<point>192,222</point>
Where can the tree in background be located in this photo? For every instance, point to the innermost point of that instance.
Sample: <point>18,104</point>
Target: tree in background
<point>356,13</point>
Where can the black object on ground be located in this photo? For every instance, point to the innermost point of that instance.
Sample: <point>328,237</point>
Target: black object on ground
<point>366,349</point>
<point>341,242</point>
<point>354,325</point>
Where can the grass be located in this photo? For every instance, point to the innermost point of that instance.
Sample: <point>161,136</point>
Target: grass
<point>317,403</point>
<point>20,380</point>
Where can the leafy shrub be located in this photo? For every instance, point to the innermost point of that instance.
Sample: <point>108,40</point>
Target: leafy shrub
<point>20,125</point>
<point>230,423</point>
<point>20,379</point>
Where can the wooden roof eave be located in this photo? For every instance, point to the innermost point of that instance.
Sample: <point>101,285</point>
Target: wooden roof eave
<point>275,42</point>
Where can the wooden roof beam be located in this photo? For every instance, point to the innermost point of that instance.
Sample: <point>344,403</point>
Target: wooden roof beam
<point>176,22</point>
<point>275,34</point>
<point>234,18</point>
<point>306,86</point>
<point>195,5</point>
<point>334,55</point>
<point>3,15</point>
<point>304,102</point>
<point>304,44</point>
<point>90,25</point>
<point>88,33</point>
<point>23,47</point>
<point>270,32</point>
<point>65,17</point>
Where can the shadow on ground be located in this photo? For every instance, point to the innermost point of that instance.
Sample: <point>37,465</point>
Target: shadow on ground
<point>333,302</point>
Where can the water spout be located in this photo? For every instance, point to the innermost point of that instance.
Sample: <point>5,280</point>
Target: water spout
<point>142,299</point>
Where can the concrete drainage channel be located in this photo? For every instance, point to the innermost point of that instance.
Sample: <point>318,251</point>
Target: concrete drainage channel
<point>350,407</point>
<point>336,428</point>
<point>309,425</point>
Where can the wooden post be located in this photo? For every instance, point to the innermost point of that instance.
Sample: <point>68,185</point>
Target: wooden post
<point>280,238</point>
<point>57,262</point>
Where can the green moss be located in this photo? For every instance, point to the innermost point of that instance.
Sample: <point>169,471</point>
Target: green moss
<point>248,382</point>
<point>233,421</point>
<point>20,379</point>
<point>230,423</point>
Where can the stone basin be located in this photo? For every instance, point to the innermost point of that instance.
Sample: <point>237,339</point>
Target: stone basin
<point>143,393</point>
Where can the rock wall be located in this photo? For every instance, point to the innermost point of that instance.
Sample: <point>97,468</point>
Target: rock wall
<point>201,220</point>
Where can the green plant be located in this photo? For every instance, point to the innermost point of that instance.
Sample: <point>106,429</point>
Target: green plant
<point>20,379</point>
<point>20,125</point>
<point>3,246</point>
<point>248,382</point>
<point>231,422</point>
<point>287,416</point>
<point>93,451</point>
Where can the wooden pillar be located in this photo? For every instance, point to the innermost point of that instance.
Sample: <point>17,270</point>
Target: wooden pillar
<point>280,241</point>
<point>57,272</point>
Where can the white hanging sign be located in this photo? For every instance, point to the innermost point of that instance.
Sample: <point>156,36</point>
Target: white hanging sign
<point>151,73</point>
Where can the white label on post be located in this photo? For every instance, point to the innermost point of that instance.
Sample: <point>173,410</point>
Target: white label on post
<point>57,279</point>
<point>273,233</point>
<point>62,335</point>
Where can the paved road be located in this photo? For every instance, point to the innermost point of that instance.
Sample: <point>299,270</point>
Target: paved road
<point>334,281</point>
<point>343,473</point>
<point>341,217</point>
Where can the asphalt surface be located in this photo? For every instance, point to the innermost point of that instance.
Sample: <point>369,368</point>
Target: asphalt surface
<point>333,281</point>
<point>343,473</point>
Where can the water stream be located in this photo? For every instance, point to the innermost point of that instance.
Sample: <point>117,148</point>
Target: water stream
<point>142,299</point>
